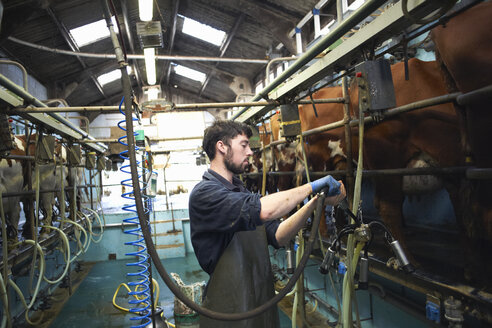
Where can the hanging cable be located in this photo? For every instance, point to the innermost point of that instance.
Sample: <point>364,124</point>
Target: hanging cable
<point>67,257</point>
<point>141,277</point>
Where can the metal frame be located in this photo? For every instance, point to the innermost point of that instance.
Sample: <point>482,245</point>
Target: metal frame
<point>381,28</point>
<point>52,121</point>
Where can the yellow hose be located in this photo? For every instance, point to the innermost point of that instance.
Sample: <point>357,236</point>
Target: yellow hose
<point>156,292</point>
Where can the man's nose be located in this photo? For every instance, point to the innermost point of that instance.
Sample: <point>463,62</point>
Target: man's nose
<point>249,151</point>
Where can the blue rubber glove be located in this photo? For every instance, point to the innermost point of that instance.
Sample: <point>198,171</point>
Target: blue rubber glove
<point>326,182</point>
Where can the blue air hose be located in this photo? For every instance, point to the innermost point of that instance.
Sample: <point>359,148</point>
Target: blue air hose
<point>140,297</point>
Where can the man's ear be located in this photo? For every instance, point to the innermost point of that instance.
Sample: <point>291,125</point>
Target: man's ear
<point>221,146</point>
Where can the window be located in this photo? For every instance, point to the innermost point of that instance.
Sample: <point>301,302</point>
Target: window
<point>189,73</point>
<point>92,32</point>
<point>203,32</point>
<point>111,76</point>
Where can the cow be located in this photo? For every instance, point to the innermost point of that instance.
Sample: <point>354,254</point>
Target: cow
<point>11,181</point>
<point>463,49</point>
<point>425,137</point>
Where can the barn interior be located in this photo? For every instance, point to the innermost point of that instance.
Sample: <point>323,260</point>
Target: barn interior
<point>103,107</point>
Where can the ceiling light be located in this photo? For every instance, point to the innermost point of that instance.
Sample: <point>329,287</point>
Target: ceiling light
<point>149,55</point>
<point>145,10</point>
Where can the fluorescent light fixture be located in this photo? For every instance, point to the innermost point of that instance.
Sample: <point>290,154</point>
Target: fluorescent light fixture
<point>145,10</point>
<point>149,55</point>
<point>203,32</point>
<point>355,5</point>
<point>90,33</point>
<point>189,73</point>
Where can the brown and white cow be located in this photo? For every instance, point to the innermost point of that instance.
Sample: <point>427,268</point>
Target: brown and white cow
<point>425,137</point>
<point>464,50</point>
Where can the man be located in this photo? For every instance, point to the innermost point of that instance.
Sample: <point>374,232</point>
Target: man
<point>231,227</point>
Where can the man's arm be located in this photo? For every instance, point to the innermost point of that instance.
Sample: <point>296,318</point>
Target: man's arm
<point>276,205</point>
<point>288,228</point>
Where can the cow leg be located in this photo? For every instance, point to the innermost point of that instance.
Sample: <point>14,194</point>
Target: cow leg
<point>388,199</point>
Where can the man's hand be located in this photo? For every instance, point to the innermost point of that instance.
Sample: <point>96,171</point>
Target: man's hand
<point>326,182</point>
<point>334,200</point>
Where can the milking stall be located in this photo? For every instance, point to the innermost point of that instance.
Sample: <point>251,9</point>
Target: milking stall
<point>355,190</point>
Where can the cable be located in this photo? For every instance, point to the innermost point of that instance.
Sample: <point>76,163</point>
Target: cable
<point>6,318</point>
<point>101,226</point>
<point>36,290</point>
<point>67,258</point>
<point>142,290</point>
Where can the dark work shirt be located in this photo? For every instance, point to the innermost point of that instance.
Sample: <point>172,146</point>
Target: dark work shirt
<point>218,209</point>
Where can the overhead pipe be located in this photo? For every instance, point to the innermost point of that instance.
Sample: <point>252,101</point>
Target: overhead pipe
<point>109,109</point>
<point>130,56</point>
<point>274,60</point>
<point>19,65</point>
<point>366,9</point>
<point>9,85</point>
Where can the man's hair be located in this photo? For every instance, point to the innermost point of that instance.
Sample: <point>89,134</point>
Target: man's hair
<point>224,131</point>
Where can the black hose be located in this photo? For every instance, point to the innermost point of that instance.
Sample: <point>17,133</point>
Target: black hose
<point>145,226</point>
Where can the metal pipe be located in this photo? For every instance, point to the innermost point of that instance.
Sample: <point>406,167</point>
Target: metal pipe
<point>274,60</point>
<point>472,173</point>
<point>85,119</point>
<point>4,81</point>
<point>20,157</point>
<point>151,139</point>
<point>32,192</point>
<point>475,95</point>
<point>19,65</point>
<point>130,56</point>
<point>56,100</point>
<point>110,109</point>
<point>367,8</point>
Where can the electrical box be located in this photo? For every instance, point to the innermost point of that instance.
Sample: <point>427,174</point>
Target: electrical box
<point>376,90</point>
<point>90,160</point>
<point>74,155</point>
<point>150,34</point>
<point>290,122</point>
<point>254,140</point>
<point>139,138</point>
<point>46,148</point>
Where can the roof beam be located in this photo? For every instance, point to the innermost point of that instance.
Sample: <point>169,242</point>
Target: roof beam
<point>128,31</point>
<point>171,38</point>
<point>67,36</point>
<point>223,50</point>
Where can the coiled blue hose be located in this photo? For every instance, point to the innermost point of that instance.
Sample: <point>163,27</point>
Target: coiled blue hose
<point>141,301</point>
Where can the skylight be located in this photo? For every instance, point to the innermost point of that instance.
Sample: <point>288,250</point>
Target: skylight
<point>111,76</point>
<point>202,31</point>
<point>189,73</point>
<point>92,32</point>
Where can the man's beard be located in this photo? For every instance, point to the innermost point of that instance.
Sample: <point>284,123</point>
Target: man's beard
<point>236,169</point>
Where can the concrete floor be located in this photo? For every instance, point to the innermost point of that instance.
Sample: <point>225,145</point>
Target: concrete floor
<point>91,303</point>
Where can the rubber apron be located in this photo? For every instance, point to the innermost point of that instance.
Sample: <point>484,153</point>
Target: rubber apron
<point>241,281</point>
